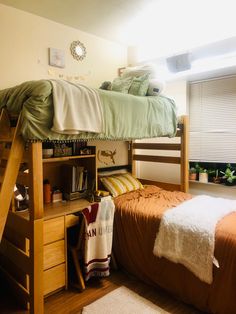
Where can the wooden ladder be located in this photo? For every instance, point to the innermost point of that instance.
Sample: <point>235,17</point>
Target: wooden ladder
<point>10,159</point>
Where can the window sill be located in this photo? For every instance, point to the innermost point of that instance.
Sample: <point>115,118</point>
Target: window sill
<point>213,184</point>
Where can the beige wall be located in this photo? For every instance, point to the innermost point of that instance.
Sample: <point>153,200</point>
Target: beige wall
<point>178,90</point>
<point>25,39</point>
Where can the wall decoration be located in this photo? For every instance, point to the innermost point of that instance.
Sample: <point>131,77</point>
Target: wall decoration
<point>111,153</point>
<point>56,57</point>
<point>78,50</point>
<point>106,156</point>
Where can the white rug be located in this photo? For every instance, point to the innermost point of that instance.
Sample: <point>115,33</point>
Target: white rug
<point>122,301</point>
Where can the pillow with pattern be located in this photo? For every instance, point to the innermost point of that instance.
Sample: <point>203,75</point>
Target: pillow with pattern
<point>139,85</point>
<point>120,184</point>
<point>121,85</point>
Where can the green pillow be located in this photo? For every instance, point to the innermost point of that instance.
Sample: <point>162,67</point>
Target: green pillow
<point>139,85</point>
<point>121,84</point>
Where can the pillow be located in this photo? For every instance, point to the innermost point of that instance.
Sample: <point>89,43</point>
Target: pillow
<point>119,184</point>
<point>111,172</point>
<point>140,70</point>
<point>139,85</point>
<point>106,85</point>
<point>155,87</point>
<point>121,84</point>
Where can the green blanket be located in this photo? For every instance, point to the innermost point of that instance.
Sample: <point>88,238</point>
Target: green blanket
<point>126,116</point>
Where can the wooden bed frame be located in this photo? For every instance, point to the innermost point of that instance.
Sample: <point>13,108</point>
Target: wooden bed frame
<point>182,160</point>
<point>28,240</point>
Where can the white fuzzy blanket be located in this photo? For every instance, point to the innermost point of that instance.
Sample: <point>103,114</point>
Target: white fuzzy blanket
<point>187,233</point>
<point>76,108</point>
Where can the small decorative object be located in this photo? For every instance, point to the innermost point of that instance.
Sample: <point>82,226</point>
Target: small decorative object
<point>192,174</point>
<point>47,150</point>
<point>78,50</point>
<point>56,57</point>
<point>21,197</point>
<point>61,150</point>
<point>203,176</point>
<point>56,196</point>
<point>106,85</point>
<point>85,151</point>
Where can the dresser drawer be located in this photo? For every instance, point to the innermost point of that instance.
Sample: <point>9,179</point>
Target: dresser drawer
<point>53,230</point>
<point>53,254</point>
<point>54,279</point>
<point>71,220</point>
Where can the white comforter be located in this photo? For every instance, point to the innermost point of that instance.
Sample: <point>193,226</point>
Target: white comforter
<point>76,108</point>
<point>187,233</point>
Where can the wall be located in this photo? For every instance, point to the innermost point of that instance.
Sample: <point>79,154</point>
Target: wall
<point>25,39</point>
<point>178,90</point>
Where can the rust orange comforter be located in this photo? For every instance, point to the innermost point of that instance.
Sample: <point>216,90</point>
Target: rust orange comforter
<point>137,219</point>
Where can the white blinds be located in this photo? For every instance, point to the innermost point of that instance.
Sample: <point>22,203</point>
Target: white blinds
<point>212,113</point>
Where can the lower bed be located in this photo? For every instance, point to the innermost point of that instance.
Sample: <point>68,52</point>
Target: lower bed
<point>137,219</point>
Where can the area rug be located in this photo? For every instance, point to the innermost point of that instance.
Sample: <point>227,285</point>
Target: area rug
<point>122,301</point>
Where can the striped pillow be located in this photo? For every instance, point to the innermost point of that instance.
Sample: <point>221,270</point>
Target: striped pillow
<point>119,184</point>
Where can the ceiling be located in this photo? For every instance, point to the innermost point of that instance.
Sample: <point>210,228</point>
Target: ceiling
<point>111,19</point>
<point>102,18</point>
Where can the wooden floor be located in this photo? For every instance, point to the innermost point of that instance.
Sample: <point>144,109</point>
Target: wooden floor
<point>72,301</point>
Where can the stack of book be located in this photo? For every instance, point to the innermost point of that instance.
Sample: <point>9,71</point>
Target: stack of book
<point>75,181</point>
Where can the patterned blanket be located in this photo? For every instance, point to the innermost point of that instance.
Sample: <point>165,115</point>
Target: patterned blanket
<point>98,238</point>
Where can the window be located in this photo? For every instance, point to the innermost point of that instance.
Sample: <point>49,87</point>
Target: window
<point>212,113</point>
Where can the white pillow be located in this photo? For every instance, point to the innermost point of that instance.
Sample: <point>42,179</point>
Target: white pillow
<point>155,87</point>
<point>140,71</point>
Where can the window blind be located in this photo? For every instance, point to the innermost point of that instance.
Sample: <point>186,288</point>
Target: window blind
<point>212,111</point>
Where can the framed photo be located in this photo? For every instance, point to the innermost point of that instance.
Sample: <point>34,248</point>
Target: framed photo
<point>56,57</point>
<point>85,151</point>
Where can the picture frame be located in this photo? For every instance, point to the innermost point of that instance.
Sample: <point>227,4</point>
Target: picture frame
<point>56,58</point>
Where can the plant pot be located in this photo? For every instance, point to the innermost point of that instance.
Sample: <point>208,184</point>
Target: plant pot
<point>193,176</point>
<point>203,177</point>
<point>229,183</point>
<point>216,180</point>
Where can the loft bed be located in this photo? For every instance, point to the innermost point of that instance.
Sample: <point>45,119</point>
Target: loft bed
<point>26,122</point>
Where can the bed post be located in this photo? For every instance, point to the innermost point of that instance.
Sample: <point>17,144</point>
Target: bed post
<point>184,154</point>
<point>36,230</point>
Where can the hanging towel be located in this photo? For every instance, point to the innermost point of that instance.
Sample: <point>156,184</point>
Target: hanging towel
<point>98,238</point>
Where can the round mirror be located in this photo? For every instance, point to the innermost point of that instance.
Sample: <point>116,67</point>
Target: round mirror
<point>78,50</point>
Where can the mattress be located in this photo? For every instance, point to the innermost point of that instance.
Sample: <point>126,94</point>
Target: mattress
<point>137,219</point>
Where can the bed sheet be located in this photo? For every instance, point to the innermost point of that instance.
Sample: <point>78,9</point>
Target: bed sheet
<point>137,219</point>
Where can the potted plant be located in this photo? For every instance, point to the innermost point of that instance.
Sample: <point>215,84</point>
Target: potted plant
<point>217,179</point>
<point>192,174</point>
<point>197,167</point>
<point>203,175</point>
<point>211,175</point>
<point>229,176</point>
